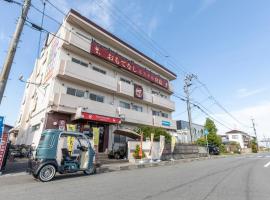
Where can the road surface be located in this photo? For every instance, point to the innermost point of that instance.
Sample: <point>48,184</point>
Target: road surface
<point>244,177</point>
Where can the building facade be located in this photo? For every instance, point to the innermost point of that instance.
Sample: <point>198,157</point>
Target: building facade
<point>88,77</point>
<point>240,137</point>
<point>184,134</point>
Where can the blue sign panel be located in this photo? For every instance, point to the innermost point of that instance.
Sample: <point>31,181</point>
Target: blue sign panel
<point>206,132</point>
<point>166,123</point>
<point>1,125</point>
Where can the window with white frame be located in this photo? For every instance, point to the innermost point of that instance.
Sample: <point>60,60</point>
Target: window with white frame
<point>125,80</point>
<point>124,104</point>
<point>95,97</point>
<point>137,108</point>
<point>75,60</point>
<point>235,137</point>
<point>99,70</point>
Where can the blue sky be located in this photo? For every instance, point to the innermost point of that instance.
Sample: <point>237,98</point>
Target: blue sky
<point>225,42</point>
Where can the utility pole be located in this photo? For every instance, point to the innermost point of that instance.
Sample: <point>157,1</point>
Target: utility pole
<point>12,48</point>
<point>188,83</point>
<point>254,129</point>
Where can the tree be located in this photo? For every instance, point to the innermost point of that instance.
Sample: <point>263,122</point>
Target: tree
<point>212,136</point>
<point>254,146</point>
<point>147,130</point>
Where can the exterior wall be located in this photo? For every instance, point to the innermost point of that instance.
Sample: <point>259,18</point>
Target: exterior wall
<point>183,131</point>
<point>56,71</point>
<point>239,139</point>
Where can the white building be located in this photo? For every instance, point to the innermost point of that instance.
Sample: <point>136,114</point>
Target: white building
<point>239,136</point>
<point>90,78</point>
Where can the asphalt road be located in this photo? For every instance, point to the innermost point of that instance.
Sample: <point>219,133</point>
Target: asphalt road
<point>245,177</point>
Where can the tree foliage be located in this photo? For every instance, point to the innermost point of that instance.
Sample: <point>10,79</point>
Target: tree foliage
<point>254,146</point>
<point>213,138</point>
<point>147,130</point>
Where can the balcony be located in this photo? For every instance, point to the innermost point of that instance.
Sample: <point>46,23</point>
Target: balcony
<point>85,75</point>
<point>125,88</point>
<point>78,41</point>
<point>162,102</point>
<point>164,122</point>
<point>136,117</point>
<point>68,103</point>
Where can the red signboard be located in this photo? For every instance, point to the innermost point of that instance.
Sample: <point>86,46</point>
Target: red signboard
<point>111,56</point>
<point>3,149</point>
<point>101,118</point>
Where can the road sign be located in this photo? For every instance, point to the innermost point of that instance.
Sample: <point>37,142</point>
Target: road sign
<point>206,132</point>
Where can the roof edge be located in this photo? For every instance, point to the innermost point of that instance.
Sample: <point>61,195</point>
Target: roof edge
<point>121,41</point>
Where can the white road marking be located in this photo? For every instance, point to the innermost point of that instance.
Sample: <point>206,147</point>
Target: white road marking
<point>259,156</point>
<point>267,164</point>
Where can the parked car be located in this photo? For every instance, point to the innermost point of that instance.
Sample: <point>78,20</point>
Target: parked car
<point>213,150</point>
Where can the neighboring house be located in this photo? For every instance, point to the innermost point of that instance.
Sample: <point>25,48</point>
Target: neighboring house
<point>94,80</point>
<point>183,131</point>
<point>241,137</point>
<point>224,138</point>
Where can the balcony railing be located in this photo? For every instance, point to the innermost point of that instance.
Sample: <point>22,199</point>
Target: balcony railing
<point>157,100</point>
<point>136,117</point>
<point>87,75</point>
<point>69,103</point>
<point>164,122</point>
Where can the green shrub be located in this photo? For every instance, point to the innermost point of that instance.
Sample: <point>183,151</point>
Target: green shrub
<point>136,153</point>
<point>222,148</point>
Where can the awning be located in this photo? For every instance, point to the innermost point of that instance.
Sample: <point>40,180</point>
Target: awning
<point>127,133</point>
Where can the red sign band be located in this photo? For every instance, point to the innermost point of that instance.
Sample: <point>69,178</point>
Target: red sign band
<point>111,56</point>
<point>101,118</point>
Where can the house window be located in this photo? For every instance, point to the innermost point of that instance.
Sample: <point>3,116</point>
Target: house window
<point>124,105</point>
<point>35,127</point>
<point>155,113</point>
<point>163,96</point>
<point>137,108</point>
<point>155,92</point>
<point>79,62</point>
<point>165,115</point>
<point>235,137</point>
<point>71,91</point>
<point>79,93</point>
<point>95,97</point>
<point>125,80</point>
<point>99,70</point>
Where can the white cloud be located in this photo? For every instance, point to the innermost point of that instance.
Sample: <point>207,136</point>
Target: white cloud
<point>205,4</point>
<point>244,92</point>
<point>171,7</point>
<point>100,12</point>
<point>261,114</point>
<point>152,26</point>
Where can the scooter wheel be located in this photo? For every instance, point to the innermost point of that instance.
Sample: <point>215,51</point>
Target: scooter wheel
<point>46,173</point>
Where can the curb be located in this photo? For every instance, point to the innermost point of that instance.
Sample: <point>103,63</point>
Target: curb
<point>107,169</point>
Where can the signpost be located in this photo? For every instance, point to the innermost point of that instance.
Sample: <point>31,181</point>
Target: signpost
<point>206,133</point>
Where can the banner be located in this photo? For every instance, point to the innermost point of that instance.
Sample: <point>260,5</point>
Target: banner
<point>96,136</point>
<point>70,143</point>
<point>71,127</point>
<point>161,145</point>
<point>173,143</point>
<point>3,151</point>
<point>62,124</point>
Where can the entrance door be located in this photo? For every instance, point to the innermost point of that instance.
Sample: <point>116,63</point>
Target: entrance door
<point>103,136</point>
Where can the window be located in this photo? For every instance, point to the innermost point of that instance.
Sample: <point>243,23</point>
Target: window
<point>125,80</point>
<point>71,91</point>
<point>95,97</point>
<point>166,115</point>
<point>163,96</point>
<point>79,93</point>
<point>79,62</point>
<point>155,113</point>
<point>124,105</point>
<point>235,137</point>
<point>137,108</point>
<point>35,127</point>
<point>155,92</point>
<point>99,70</point>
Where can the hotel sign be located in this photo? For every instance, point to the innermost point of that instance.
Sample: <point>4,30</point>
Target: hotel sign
<point>122,62</point>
